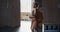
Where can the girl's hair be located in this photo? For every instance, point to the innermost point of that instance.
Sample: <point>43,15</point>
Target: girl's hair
<point>36,4</point>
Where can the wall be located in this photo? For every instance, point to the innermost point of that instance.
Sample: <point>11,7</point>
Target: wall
<point>51,11</point>
<point>10,13</point>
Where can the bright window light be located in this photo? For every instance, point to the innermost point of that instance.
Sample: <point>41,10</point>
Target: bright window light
<point>26,5</point>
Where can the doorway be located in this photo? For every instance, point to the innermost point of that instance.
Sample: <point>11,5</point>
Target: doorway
<point>26,9</point>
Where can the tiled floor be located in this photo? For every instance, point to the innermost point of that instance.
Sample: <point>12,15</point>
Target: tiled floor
<point>25,26</point>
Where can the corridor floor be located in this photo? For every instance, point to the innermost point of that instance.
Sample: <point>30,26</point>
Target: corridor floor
<point>25,26</point>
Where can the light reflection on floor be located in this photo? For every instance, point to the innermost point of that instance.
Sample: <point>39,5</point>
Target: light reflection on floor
<point>25,26</point>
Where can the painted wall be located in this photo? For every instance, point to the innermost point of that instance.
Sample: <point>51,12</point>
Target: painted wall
<point>51,11</point>
<point>10,13</point>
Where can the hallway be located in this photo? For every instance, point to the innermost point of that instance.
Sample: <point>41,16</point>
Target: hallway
<point>25,26</point>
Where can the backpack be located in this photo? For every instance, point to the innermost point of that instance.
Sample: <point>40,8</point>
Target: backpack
<point>39,16</point>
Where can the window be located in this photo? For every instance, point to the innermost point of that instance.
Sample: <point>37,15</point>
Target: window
<point>26,5</point>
